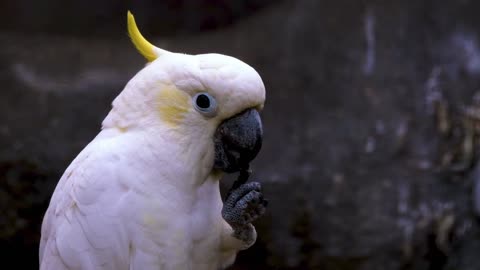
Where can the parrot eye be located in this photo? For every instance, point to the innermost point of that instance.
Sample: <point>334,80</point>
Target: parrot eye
<point>205,104</point>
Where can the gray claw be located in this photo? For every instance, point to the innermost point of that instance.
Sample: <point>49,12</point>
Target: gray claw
<point>237,193</point>
<point>244,205</point>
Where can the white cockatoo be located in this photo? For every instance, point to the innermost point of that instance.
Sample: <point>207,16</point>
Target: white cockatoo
<point>144,194</point>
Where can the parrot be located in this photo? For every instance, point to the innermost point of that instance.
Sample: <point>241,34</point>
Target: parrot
<point>145,192</point>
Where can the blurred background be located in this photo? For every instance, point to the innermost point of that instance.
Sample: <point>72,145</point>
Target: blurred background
<point>371,121</point>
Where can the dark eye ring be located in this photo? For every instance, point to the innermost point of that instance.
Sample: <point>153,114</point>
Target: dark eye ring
<point>205,104</point>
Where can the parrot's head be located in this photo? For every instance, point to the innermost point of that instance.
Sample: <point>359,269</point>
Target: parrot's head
<point>213,98</point>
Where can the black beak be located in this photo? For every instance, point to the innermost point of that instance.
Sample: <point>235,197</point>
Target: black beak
<point>238,141</point>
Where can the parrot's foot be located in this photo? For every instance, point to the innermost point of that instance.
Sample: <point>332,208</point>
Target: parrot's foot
<point>244,205</point>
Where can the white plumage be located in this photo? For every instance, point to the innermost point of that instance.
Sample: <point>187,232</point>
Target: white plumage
<point>143,195</point>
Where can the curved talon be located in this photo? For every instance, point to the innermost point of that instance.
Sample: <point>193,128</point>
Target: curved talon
<point>244,205</point>
<point>235,194</point>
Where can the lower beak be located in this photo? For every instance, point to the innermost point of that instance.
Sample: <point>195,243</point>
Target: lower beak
<point>238,141</point>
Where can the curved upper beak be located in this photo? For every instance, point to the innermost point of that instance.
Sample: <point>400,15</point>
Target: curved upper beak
<point>238,141</point>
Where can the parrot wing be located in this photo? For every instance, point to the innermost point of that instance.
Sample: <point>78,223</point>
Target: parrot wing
<point>79,231</point>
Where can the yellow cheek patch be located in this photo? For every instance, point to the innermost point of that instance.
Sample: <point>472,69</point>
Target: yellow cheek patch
<point>173,105</point>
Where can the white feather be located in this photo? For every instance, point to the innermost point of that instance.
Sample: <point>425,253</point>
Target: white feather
<point>142,194</point>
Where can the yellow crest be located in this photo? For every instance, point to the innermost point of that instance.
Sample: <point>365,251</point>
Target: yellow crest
<point>145,48</point>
